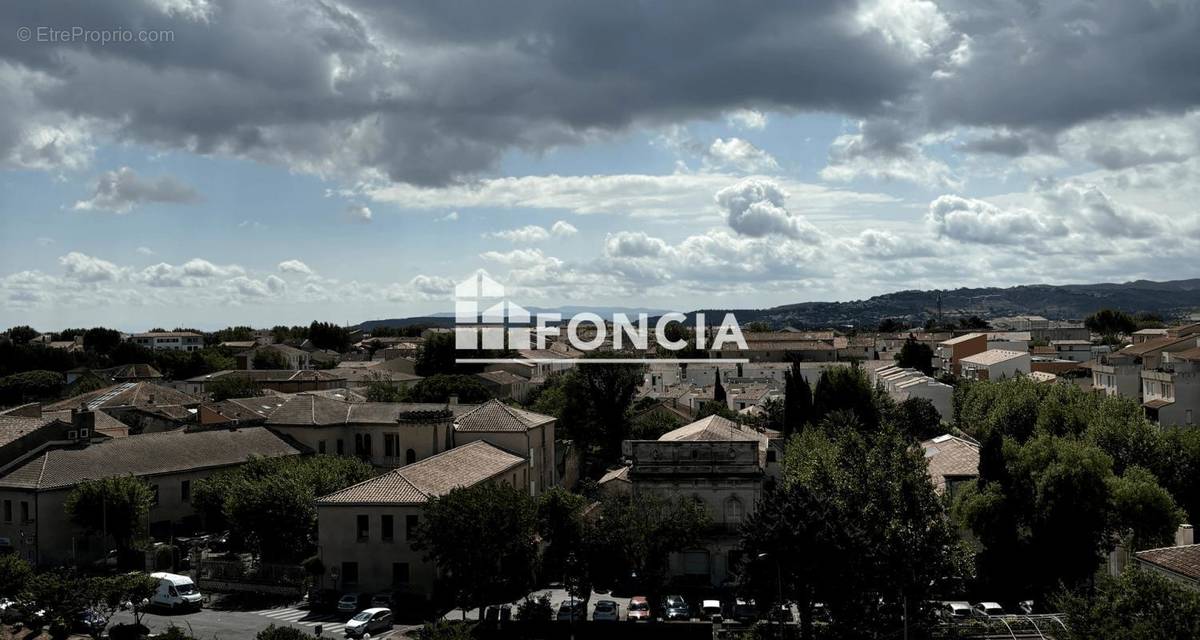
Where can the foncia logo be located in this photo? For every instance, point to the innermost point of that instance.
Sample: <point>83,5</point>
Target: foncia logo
<point>485,320</point>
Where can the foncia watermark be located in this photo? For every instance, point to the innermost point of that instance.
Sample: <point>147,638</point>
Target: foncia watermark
<point>485,320</point>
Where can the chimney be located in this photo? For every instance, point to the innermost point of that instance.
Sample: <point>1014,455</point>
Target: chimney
<point>82,419</point>
<point>1185,535</point>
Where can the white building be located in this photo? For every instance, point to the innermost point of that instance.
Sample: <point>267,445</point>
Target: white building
<point>171,340</point>
<point>995,364</point>
<point>1073,350</point>
<point>902,384</point>
<point>1009,340</point>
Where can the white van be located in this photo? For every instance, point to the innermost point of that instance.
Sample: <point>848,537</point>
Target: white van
<point>175,592</point>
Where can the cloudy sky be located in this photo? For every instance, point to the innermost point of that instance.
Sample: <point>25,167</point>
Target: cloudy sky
<point>276,162</point>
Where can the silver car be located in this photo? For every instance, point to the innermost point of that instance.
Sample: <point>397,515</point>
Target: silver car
<point>369,621</point>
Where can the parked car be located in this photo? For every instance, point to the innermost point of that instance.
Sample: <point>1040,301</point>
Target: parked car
<point>639,609</point>
<point>745,611</point>
<point>952,610</point>
<point>322,599</point>
<point>91,622</point>
<point>498,613</point>
<point>175,592</point>
<point>382,599</point>
<point>368,621</point>
<point>675,608</point>
<point>351,602</point>
<point>985,610</point>
<point>572,610</point>
<point>711,610</point>
<point>606,611</point>
<point>782,614</point>
<point>1026,607</point>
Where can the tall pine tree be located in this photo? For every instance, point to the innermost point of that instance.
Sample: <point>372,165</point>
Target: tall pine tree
<point>797,401</point>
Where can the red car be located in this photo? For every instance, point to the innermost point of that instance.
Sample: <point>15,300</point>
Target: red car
<point>639,609</point>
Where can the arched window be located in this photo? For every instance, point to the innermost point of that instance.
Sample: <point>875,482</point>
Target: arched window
<point>410,456</point>
<point>734,511</point>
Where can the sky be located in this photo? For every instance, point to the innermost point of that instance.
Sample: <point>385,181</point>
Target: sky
<point>207,163</point>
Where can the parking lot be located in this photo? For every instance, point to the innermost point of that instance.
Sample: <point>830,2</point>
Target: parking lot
<point>224,622</point>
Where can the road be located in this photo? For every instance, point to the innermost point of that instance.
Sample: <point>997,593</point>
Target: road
<point>238,625</point>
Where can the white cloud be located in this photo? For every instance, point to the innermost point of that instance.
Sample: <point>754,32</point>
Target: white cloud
<point>275,284</point>
<point>196,272</point>
<point>755,208</point>
<point>747,119</point>
<point>520,257</point>
<point>85,268</point>
<point>449,217</point>
<point>740,155</point>
<point>660,196</point>
<point>358,213</point>
<point>146,251</point>
<point>523,235</point>
<point>295,266</point>
<point>633,244</point>
<point>881,151</point>
<point>563,229</point>
<point>122,190</point>
<point>971,220</point>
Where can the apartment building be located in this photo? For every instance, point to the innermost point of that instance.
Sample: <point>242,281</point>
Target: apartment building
<point>171,340</point>
<point>1073,350</point>
<point>1171,391</point>
<point>950,352</point>
<point>902,384</point>
<point>365,532</point>
<point>995,364</point>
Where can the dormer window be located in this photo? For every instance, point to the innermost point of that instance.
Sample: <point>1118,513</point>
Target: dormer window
<point>72,435</point>
<point>83,433</point>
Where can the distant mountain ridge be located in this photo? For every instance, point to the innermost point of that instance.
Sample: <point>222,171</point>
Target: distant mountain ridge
<point>1056,302</point>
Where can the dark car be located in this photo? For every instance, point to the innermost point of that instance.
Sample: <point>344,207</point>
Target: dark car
<point>572,610</point>
<point>322,599</point>
<point>675,608</point>
<point>91,622</point>
<point>745,611</point>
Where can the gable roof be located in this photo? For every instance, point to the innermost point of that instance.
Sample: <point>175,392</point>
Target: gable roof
<point>436,475</point>
<point>713,428</point>
<point>1184,560</point>
<point>127,394</point>
<point>494,416</point>
<point>1148,346</point>
<point>318,409</point>
<point>13,428</point>
<point>950,456</point>
<point>146,455</point>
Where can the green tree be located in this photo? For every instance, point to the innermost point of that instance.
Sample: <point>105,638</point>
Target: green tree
<point>15,574</point>
<point>560,526</point>
<point>597,398</point>
<point>30,385</point>
<point>100,340</point>
<point>435,355</point>
<point>1143,510</point>
<point>797,400</point>
<point>846,389</point>
<point>116,506</point>
<point>233,385</point>
<point>109,594</point>
<point>915,355</point>
<point>651,425</point>
<point>1110,322</point>
<point>61,593</point>
<point>268,502</point>
<point>326,335</point>
<point>1138,605</point>
<point>22,334</point>
<point>482,539</point>
<point>381,388</point>
<point>439,388</point>
<point>714,408</point>
<point>269,359</point>
<point>917,419</point>
<point>634,535</point>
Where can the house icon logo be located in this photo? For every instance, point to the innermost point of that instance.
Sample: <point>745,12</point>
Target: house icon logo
<point>483,319</point>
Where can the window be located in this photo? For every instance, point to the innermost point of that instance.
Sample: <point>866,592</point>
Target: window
<point>410,456</point>
<point>72,435</point>
<point>341,448</point>
<point>358,444</point>
<point>399,573</point>
<point>410,527</point>
<point>391,446</point>
<point>153,495</point>
<point>770,455</point>
<point>321,447</point>
<point>349,573</point>
<point>386,528</point>
<point>364,528</point>
<point>24,511</point>
<point>366,444</point>
<point>8,510</point>
<point>83,433</point>
<point>185,491</point>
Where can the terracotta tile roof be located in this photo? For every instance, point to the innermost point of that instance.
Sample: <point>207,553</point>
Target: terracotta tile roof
<point>272,375</point>
<point>1184,560</point>
<point>146,455</point>
<point>1157,403</point>
<point>130,371</point>
<point>950,457</point>
<point>714,428</point>
<point>416,483</point>
<point>13,428</point>
<point>128,394</point>
<point>105,423</point>
<point>1142,348</point>
<point>494,416</point>
<point>1191,354</point>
